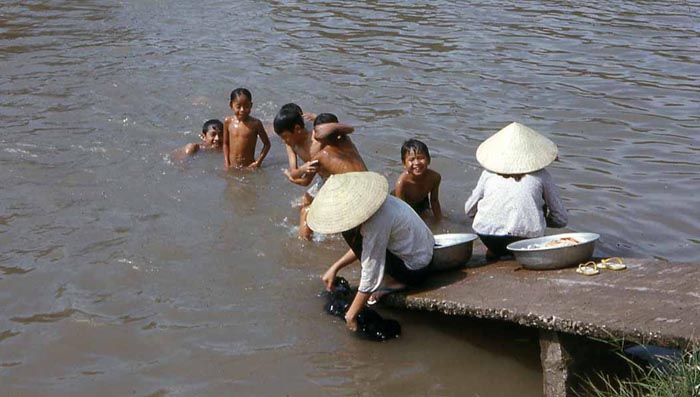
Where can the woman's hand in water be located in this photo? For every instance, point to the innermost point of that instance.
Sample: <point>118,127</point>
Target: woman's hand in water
<point>357,304</point>
<point>351,322</point>
<point>328,277</point>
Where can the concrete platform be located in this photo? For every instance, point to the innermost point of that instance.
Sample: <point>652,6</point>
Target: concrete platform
<point>651,302</point>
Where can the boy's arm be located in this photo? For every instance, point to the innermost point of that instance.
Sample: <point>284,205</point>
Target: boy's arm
<point>309,167</point>
<point>398,188</point>
<point>435,197</point>
<point>330,128</point>
<point>266,145</point>
<point>304,174</point>
<point>225,145</point>
<point>191,148</point>
<point>291,157</point>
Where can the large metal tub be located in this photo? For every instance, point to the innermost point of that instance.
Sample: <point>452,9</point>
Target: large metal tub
<point>533,254</point>
<point>452,250</point>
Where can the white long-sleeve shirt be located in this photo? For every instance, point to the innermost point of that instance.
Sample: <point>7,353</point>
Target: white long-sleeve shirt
<point>506,207</point>
<point>395,227</point>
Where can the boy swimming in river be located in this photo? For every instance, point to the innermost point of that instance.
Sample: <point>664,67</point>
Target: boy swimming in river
<point>289,125</point>
<point>326,151</point>
<point>210,136</point>
<point>241,132</point>
<point>418,185</point>
<point>333,149</point>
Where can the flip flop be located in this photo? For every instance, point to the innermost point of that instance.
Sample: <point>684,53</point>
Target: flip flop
<point>588,269</point>
<point>613,263</point>
<point>384,291</point>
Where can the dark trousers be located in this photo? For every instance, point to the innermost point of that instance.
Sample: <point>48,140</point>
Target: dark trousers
<point>394,266</point>
<point>498,244</point>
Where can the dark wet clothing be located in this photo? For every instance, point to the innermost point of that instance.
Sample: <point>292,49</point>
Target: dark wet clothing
<point>394,266</point>
<point>421,206</point>
<point>370,324</point>
<point>497,244</point>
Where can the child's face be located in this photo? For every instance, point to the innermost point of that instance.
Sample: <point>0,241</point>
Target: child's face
<point>287,137</point>
<point>416,163</point>
<point>290,137</point>
<point>241,107</point>
<point>212,137</point>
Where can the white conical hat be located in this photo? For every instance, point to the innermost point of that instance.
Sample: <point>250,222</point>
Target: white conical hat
<point>347,200</point>
<point>516,149</point>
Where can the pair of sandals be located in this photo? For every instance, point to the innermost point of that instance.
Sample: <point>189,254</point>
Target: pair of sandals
<point>591,268</point>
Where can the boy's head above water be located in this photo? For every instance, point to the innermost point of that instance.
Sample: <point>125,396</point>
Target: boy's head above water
<point>212,132</point>
<point>288,122</point>
<point>415,156</point>
<point>291,107</point>
<point>325,118</point>
<point>241,103</point>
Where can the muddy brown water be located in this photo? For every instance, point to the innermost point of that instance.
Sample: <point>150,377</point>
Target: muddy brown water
<point>125,273</point>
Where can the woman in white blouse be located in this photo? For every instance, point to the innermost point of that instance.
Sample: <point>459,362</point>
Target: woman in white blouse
<point>515,197</point>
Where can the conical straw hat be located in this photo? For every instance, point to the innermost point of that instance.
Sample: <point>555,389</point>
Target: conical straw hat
<point>347,200</point>
<point>516,149</point>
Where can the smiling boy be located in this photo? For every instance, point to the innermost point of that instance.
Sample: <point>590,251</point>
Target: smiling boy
<point>241,132</point>
<point>210,137</point>
<point>418,185</point>
<point>327,150</point>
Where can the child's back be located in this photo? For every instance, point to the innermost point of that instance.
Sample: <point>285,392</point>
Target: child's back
<point>334,150</point>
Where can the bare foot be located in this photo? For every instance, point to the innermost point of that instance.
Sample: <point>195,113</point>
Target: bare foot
<point>386,289</point>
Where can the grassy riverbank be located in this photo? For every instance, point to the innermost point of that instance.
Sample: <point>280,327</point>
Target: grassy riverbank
<point>668,378</point>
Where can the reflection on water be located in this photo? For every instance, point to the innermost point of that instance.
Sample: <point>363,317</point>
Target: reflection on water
<point>185,279</point>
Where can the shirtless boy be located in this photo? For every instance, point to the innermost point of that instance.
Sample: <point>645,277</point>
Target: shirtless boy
<point>289,125</point>
<point>418,185</point>
<point>333,149</point>
<point>210,137</point>
<point>241,132</point>
<point>333,153</point>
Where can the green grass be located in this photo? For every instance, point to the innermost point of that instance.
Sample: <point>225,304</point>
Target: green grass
<point>675,378</point>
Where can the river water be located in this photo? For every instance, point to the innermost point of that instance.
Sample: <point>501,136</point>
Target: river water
<point>123,272</point>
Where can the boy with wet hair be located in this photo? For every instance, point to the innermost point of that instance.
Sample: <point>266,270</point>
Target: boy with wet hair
<point>211,140</point>
<point>334,151</point>
<point>291,106</point>
<point>289,125</point>
<point>241,132</point>
<point>326,151</point>
<point>418,185</point>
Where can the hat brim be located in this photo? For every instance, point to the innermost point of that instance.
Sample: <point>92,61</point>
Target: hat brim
<point>347,200</point>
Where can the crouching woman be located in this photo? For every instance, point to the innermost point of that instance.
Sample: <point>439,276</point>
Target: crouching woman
<point>394,245</point>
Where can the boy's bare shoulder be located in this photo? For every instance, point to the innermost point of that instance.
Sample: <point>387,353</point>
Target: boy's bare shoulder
<point>253,122</point>
<point>191,148</point>
<point>403,176</point>
<point>434,176</point>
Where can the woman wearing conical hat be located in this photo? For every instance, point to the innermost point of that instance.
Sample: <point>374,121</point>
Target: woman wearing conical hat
<point>393,244</point>
<point>515,197</point>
